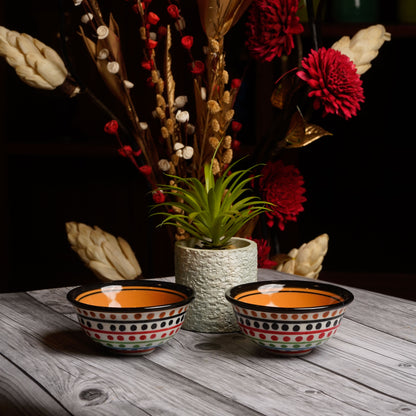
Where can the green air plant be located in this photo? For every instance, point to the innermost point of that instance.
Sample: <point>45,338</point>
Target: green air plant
<point>214,211</point>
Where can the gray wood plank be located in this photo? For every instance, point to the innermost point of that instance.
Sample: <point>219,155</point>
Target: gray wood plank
<point>367,368</point>
<point>86,381</point>
<point>32,400</point>
<point>276,385</point>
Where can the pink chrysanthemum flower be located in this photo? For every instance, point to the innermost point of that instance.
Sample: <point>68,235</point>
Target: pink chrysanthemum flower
<point>271,25</point>
<point>334,82</point>
<point>282,186</point>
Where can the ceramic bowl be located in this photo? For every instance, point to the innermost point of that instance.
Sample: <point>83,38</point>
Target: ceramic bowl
<point>289,317</point>
<point>131,317</point>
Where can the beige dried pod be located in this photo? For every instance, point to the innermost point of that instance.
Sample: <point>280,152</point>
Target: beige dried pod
<point>109,257</point>
<point>307,259</point>
<point>227,142</point>
<point>214,45</point>
<point>175,159</point>
<point>213,107</point>
<point>216,168</point>
<point>160,86</point>
<point>35,63</point>
<point>225,76</point>
<point>227,156</point>
<point>170,125</point>
<point>160,101</point>
<point>215,125</point>
<point>143,33</point>
<point>229,115</point>
<point>155,76</point>
<point>214,142</point>
<point>363,47</point>
<point>164,132</point>
<point>226,97</point>
<point>160,113</point>
<point>172,169</point>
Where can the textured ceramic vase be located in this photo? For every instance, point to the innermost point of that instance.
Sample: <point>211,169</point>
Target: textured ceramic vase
<point>210,273</point>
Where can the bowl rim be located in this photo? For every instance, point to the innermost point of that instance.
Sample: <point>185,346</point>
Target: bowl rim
<point>348,297</point>
<point>185,290</point>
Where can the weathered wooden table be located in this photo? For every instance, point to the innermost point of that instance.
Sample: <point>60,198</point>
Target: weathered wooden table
<point>49,367</point>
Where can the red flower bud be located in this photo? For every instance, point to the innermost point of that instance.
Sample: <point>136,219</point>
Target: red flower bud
<point>111,127</point>
<point>152,18</point>
<point>147,65</point>
<point>235,145</point>
<point>149,82</point>
<point>146,170</point>
<point>197,67</point>
<point>158,196</point>
<point>187,42</point>
<point>173,11</point>
<point>236,83</point>
<point>151,43</point>
<point>125,151</point>
<point>161,31</point>
<point>236,126</point>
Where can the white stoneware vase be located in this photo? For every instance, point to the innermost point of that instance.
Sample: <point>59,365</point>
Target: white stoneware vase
<point>210,273</point>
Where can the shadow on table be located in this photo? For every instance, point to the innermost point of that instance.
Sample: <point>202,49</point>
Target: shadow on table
<point>73,342</point>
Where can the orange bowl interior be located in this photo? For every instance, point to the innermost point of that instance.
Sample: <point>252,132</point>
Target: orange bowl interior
<point>130,297</point>
<point>289,297</point>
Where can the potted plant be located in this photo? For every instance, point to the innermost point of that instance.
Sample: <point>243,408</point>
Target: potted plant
<point>212,259</point>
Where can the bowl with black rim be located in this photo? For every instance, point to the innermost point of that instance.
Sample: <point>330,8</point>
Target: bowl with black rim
<point>131,317</point>
<point>289,317</point>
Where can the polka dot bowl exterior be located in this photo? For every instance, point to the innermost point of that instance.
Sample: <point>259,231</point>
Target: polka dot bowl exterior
<point>131,317</point>
<point>289,317</point>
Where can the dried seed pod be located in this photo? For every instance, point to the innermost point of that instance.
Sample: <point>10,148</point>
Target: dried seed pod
<point>103,54</point>
<point>172,169</point>
<point>102,32</point>
<point>226,98</point>
<point>143,35</point>
<point>187,152</point>
<point>227,142</point>
<point>160,86</point>
<point>227,156</point>
<point>215,167</point>
<point>155,76</point>
<point>160,113</point>
<point>164,165</point>
<point>164,132</point>
<point>170,125</point>
<point>225,76</point>
<point>160,101</point>
<point>214,142</point>
<point>213,107</point>
<point>113,67</point>
<point>229,115</point>
<point>128,84</point>
<point>215,125</point>
<point>175,159</point>
<point>214,45</point>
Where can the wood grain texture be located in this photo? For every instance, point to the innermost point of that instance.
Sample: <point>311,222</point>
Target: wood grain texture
<point>368,368</point>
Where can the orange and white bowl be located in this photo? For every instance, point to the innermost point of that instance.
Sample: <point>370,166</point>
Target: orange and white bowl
<point>289,317</point>
<point>131,317</point>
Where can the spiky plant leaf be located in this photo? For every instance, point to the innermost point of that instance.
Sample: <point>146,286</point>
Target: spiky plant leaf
<point>213,211</point>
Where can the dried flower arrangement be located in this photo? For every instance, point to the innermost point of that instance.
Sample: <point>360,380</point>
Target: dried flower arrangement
<point>179,142</point>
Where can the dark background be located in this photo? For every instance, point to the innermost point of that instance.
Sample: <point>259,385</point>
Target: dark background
<point>57,165</point>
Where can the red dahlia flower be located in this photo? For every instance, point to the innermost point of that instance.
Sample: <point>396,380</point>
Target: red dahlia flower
<point>334,82</point>
<point>282,186</point>
<point>271,25</point>
<point>263,252</point>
